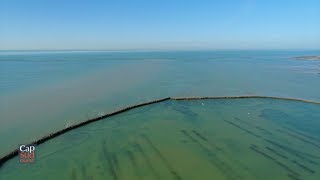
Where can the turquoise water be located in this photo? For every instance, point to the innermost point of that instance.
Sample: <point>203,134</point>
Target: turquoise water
<point>221,139</point>
<point>41,92</point>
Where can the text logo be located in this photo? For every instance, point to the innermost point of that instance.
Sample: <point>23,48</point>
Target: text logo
<point>27,153</point>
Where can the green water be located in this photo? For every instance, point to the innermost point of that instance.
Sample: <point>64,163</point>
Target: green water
<point>200,139</point>
<point>42,92</point>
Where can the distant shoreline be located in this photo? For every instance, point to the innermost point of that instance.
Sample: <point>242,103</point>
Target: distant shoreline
<point>312,58</point>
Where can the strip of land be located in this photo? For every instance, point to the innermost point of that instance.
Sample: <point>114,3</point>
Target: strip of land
<point>312,58</point>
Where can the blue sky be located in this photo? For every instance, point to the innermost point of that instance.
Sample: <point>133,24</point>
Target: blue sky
<point>159,24</point>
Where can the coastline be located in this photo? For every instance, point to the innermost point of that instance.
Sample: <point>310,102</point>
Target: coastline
<point>309,58</point>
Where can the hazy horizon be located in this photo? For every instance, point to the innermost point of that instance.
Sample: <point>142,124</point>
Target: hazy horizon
<point>159,25</point>
<point>157,50</point>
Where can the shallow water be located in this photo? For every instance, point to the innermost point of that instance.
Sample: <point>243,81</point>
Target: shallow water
<point>41,92</point>
<point>199,139</point>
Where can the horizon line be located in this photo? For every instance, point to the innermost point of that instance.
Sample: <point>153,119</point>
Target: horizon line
<point>151,50</point>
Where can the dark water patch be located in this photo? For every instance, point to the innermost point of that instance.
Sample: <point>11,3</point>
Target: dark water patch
<point>200,135</point>
<point>274,115</point>
<point>282,119</point>
<point>242,128</point>
<point>115,161</point>
<point>302,155</point>
<point>222,166</point>
<point>162,157</point>
<point>258,151</point>
<point>133,160</point>
<point>204,138</point>
<point>293,177</point>
<point>303,134</point>
<point>84,173</point>
<point>73,175</point>
<point>263,130</point>
<point>193,139</point>
<point>304,167</point>
<point>109,159</point>
<point>184,141</point>
<point>276,152</point>
<point>299,138</point>
<point>185,110</point>
<point>148,162</point>
<point>241,121</point>
<point>73,139</point>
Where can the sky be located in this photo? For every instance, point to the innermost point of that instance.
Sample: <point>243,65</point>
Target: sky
<point>159,24</point>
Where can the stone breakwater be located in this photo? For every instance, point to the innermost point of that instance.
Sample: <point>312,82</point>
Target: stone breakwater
<point>104,116</point>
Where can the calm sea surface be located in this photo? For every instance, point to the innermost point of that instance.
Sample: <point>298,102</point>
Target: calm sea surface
<point>233,139</point>
<point>41,92</point>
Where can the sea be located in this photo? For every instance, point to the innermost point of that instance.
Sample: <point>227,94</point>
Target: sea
<point>45,91</point>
